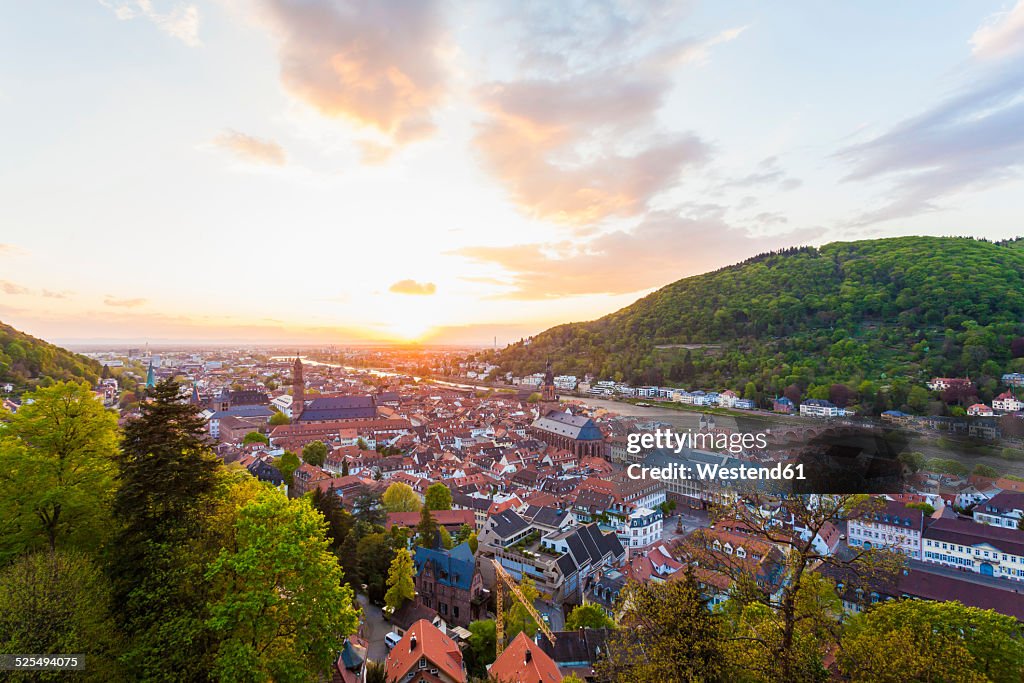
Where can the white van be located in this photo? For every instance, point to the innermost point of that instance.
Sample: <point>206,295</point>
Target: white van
<point>391,639</point>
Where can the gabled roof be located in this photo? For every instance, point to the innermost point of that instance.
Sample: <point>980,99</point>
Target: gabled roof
<point>506,524</point>
<point>545,516</point>
<point>243,411</point>
<point>423,639</point>
<point>1005,501</point>
<point>573,426</point>
<point>966,532</point>
<point>523,661</point>
<point>576,648</point>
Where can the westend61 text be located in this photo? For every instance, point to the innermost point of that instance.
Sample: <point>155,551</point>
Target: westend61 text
<point>706,471</point>
<point>666,438</point>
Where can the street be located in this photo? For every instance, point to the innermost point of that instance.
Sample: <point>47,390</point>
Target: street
<point>373,629</point>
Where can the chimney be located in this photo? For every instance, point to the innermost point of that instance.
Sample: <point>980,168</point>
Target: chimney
<point>529,655</point>
<point>412,643</point>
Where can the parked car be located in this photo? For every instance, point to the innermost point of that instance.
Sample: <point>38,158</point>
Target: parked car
<point>391,639</point>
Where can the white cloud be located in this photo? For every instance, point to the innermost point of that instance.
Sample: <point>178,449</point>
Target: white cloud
<point>1001,35</point>
<point>178,19</point>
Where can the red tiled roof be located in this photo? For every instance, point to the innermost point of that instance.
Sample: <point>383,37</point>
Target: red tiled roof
<point>524,662</point>
<point>423,639</point>
<point>442,517</point>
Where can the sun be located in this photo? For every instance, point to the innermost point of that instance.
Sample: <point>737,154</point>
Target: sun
<point>409,330</point>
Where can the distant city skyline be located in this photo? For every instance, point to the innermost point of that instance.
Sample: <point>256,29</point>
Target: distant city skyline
<point>275,171</point>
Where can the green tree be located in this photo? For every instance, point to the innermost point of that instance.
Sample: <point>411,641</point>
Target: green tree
<point>463,534</point>
<point>339,521</point>
<point>281,611</point>
<point>981,470</point>
<point>668,634</point>
<point>400,497</point>
<point>438,497</point>
<point>400,581</point>
<point>279,418</point>
<point>533,398</point>
<point>287,464</point>
<point>426,530</point>
<point>58,470</point>
<point>927,509</point>
<point>482,647</point>
<point>374,553</point>
<point>58,601</point>
<point>785,634</point>
<point>446,538</point>
<point>315,453</point>
<point>376,672</point>
<point>918,400</point>
<point>473,542</point>
<point>255,437</point>
<point>167,479</point>
<point>165,463</point>
<point>914,460</point>
<point>588,616</point>
<point>921,640</point>
<point>517,618</point>
<point>753,632</point>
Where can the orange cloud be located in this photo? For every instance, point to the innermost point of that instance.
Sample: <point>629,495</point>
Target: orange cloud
<point>251,149</point>
<point>123,303</point>
<point>663,248</point>
<point>574,134</point>
<point>13,288</point>
<point>413,287</point>
<point>374,62</point>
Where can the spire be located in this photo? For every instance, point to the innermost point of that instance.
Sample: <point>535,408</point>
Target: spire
<point>150,378</point>
<point>298,388</point>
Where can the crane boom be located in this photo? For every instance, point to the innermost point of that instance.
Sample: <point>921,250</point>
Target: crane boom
<point>503,577</point>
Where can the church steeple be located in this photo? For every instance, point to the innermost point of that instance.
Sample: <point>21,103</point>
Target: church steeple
<point>150,377</point>
<point>298,388</point>
<point>548,397</point>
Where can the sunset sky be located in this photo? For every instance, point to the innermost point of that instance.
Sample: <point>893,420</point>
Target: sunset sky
<point>339,171</point>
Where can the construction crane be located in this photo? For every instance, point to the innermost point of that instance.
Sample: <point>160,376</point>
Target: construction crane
<point>502,577</point>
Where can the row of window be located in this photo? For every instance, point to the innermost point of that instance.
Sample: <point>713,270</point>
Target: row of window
<point>995,555</point>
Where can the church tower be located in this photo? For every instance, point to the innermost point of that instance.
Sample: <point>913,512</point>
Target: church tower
<point>548,397</point>
<point>298,389</point>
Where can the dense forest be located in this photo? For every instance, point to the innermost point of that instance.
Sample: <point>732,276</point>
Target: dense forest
<point>26,361</point>
<point>878,317</point>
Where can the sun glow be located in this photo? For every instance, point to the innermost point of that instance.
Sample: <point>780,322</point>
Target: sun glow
<point>409,330</point>
<point>410,318</point>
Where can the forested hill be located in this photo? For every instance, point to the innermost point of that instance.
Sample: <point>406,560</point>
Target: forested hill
<point>27,362</point>
<point>889,311</point>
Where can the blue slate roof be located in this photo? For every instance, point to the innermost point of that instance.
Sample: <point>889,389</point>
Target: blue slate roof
<point>339,408</point>
<point>451,567</point>
<point>243,411</point>
<point>575,427</point>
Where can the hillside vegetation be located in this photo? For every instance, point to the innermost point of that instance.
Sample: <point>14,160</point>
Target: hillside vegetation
<point>878,316</point>
<point>27,362</point>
